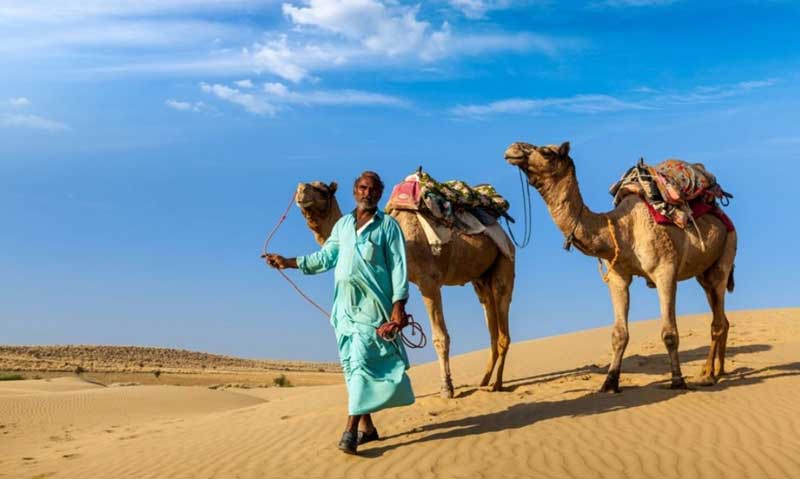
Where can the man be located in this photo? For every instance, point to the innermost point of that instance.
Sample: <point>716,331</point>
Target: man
<point>367,249</point>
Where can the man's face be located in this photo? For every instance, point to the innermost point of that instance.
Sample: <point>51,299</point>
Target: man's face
<point>367,193</point>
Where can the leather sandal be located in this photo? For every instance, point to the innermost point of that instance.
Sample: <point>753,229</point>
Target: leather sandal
<point>349,443</point>
<point>364,437</point>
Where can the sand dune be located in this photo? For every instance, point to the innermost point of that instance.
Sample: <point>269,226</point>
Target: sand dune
<point>549,422</point>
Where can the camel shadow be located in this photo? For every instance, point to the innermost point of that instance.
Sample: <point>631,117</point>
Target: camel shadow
<point>653,364</point>
<point>529,413</point>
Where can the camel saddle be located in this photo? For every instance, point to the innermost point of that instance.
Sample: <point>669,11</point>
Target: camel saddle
<point>444,201</point>
<point>675,191</point>
<point>443,208</point>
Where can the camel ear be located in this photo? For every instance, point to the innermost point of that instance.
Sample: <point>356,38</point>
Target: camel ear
<point>563,150</point>
<point>332,187</point>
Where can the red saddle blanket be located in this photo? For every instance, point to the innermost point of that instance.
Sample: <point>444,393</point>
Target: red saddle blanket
<point>699,208</point>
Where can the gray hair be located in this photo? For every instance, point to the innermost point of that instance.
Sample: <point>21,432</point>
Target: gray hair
<point>369,174</point>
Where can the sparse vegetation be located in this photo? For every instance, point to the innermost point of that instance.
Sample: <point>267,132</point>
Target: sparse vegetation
<point>157,373</point>
<point>11,377</point>
<point>282,381</point>
<point>117,358</point>
<point>123,364</point>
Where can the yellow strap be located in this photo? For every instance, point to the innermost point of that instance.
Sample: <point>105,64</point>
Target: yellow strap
<point>604,276</point>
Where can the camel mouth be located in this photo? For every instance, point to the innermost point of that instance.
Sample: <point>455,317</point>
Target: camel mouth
<point>515,160</point>
<point>304,203</point>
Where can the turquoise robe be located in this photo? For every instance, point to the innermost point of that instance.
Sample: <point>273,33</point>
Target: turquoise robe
<point>370,277</point>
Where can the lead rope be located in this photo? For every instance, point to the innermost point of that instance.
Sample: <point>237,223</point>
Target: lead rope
<point>415,326</point>
<point>527,212</point>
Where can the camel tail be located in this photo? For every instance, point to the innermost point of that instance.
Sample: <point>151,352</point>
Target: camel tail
<point>730,280</point>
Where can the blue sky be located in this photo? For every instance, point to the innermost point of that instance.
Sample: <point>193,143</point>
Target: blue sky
<point>147,148</point>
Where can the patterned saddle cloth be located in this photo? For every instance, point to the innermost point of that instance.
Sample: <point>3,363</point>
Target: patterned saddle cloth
<point>452,206</point>
<point>445,202</point>
<point>671,188</point>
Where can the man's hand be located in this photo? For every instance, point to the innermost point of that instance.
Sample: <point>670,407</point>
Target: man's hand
<point>399,315</point>
<point>278,261</point>
<point>399,320</point>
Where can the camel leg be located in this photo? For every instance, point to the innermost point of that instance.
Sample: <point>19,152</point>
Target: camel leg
<point>618,288</point>
<point>667,286</point>
<point>432,297</point>
<point>484,291</point>
<point>715,292</point>
<point>715,281</point>
<point>502,283</point>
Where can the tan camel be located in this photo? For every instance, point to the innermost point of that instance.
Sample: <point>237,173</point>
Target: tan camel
<point>466,258</point>
<point>663,255</point>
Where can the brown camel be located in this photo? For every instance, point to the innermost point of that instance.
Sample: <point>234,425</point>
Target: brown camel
<point>466,258</point>
<point>663,255</point>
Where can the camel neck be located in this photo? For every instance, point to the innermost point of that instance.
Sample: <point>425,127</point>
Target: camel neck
<point>572,216</point>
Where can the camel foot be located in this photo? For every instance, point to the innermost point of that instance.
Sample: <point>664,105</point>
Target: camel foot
<point>611,384</point>
<point>678,383</point>
<point>497,387</point>
<point>485,381</point>
<point>706,380</point>
<point>447,389</point>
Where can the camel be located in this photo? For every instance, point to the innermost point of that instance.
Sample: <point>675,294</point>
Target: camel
<point>465,259</point>
<point>662,254</point>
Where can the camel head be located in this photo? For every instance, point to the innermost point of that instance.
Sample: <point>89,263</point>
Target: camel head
<point>315,197</point>
<point>540,163</point>
<point>317,202</point>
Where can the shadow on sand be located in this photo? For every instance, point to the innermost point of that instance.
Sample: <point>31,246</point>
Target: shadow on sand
<point>528,413</point>
<point>654,364</point>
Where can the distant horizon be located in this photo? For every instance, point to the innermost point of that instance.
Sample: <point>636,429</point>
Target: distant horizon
<point>335,361</point>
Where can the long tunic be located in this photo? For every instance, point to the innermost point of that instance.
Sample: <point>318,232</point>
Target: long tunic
<point>370,277</point>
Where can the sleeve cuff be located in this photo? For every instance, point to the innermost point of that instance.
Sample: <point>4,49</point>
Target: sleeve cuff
<point>301,264</point>
<point>399,297</point>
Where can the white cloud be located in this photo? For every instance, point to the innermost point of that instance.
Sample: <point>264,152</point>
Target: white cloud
<point>19,101</point>
<point>637,3</point>
<point>707,94</point>
<point>62,10</point>
<point>185,105</point>
<point>276,57</point>
<point>390,29</point>
<point>277,89</point>
<point>31,121</point>
<point>575,104</point>
<point>251,103</point>
<point>605,103</point>
<point>280,94</point>
<point>476,9</point>
<point>276,95</point>
<point>244,83</point>
<point>169,37</point>
<point>117,33</point>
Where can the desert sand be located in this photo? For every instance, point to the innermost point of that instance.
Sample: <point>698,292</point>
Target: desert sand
<point>549,422</point>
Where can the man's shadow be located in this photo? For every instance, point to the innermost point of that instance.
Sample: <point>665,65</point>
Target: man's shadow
<point>528,413</point>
